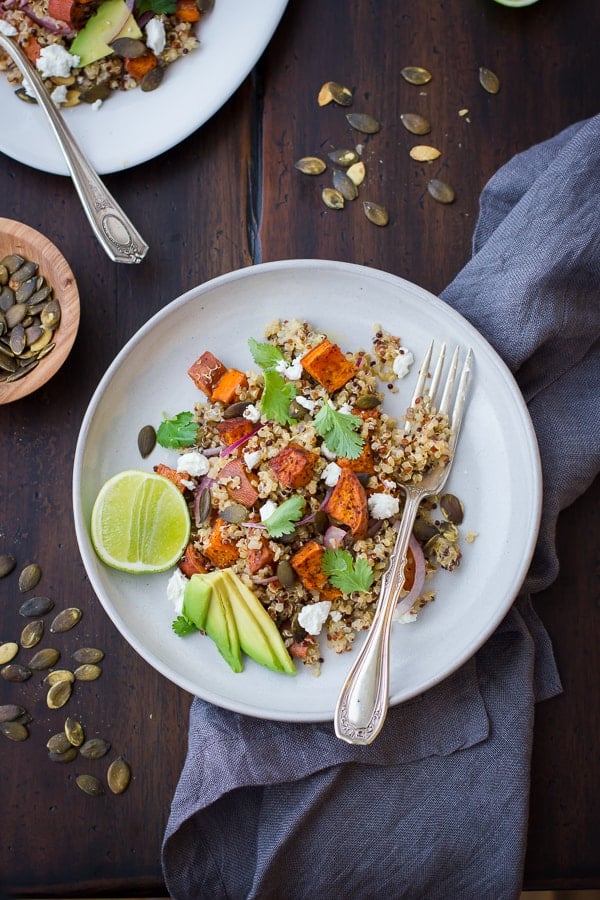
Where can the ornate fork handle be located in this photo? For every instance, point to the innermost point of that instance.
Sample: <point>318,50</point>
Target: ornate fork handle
<point>362,705</point>
<point>109,223</point>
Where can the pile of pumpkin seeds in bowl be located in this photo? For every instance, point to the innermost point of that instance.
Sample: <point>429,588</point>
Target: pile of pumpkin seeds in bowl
<point>30,314</point>
<point>70,743</point>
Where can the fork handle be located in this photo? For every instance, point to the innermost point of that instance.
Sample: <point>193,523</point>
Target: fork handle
<point>363,702</point>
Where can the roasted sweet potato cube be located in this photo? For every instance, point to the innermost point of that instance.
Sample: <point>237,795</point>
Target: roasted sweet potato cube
<point>238,485</point>
<point>193,562</point>
<point>307,562</point>
<point>219,549</point>
<point>364,463</point>
<point>178,478</point>
<point>294,466</point>
<point>187,11</point>
<point>229,385</point>
<point>206,372</point>
<point>327,364</point>
<point>348,503</point>
<point>232,430</point>
<point>260,558</point>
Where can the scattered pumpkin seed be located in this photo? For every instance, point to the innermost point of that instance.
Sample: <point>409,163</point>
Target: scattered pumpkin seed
<point>463,112</point>
<point>9,712</point>
<point>343,157</point>
<point>59,675</point>
<point>66,756</point>
<point>152,79</point>
<point>32,634</point>
<point>65,620</point>
<point>15,672</point>
<point>363,122</point>
<point>344,185</point>
<point>8,651</point>
<point>332,198</point>
<point>118,775</point>
<point>36,606</point>
<point>88,655</point>
<point>74,731</point>
<point>59,694</point>
<point>310,165</point>
<point>376,213</point>
<point>7,564</point>
<point>236,409</point>
<point>332,90</point>
<point>30,575</point>
<point>488,80</point>
<point>89,784</point>
<point>14,731</point>
<point>234,513</point>
<point>357,172</point>
<point>146,440</point>
<point>415,123</point>
<point>87,672</point>
<point>286,574</point>
<point>423,153</point>
<point>368,401</point>
<point>441,191</point>
<point>452,508</point>
<point>203,508</point>
<point>44,659</point>
<point>59,743</point>
<point>94,748</point>
<point>415,75</point>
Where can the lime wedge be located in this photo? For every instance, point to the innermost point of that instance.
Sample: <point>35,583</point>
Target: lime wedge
<point>140,522</point>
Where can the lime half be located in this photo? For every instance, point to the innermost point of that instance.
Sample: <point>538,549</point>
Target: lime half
<point>140,522</point>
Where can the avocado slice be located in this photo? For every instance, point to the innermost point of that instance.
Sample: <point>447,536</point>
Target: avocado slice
<point>196,600</point>
<point>220,625</point>
<point>259,637</point>
<point>112,19</point>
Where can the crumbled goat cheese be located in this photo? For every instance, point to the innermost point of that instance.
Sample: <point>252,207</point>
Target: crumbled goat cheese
<point>327,453</point>
<point>176,589</point>
<point>382,506</point>
<point>345,409</point>
<point>335,616</point>
<point>155,36</point>
<point>331,474</point>
<point>306,403</point>
<point>56,62</point>
<point>313,617</point>
<point>403,362</point>
<point>7,29</point>
<point>267,509</point>
<point>59,94</point>
<point>96,104</point>
<point>252,459</point>
<point>292,371</point>
<point>406,618</point>
<point>193,463</point>
<point>252,414</point>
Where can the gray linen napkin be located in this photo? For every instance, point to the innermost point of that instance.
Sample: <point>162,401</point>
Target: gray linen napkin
<point>437,806</point>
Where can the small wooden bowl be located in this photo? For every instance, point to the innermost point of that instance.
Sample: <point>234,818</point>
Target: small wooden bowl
<point>15,237</point>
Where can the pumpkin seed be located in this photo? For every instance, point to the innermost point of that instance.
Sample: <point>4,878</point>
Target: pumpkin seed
<point>87,672</point>
<point>32,634</point>
<point>203,509</point>
<point>14,731</point>
<point>65,620</point>
<point>321,521</point>
<point>423,153</point>
<point>8,651</point>
<point>332,90</point>
<point>343,157</point>
<point>363,122</point>
<point>310,165</point>
<point>357,172</point>
<point>16,673</point>
<point>333,199</point>
<point>146,440</point>
<point>152,79</point>
<point>415,123</point>
<point>376,213</point>
<point>368,401</point>
<point>415,75</point>
<point>128,48</point>
<point>10,712</point>
<point>88,655</point>
<point>234,513</point>
<point>95,748</point>
<point>59,694</point>
<point>25,271</point>
<point>12,262</point>
<point>441,191</point>
<point>286,574</point>
<point>59,743</point>
<point>44,659</point>
<point>66,756</point>
<point>30,577</point>
<point>7,564</point>
<point>89,784</point>
<point>452,508</point>
<point>74,731</point>
<point>59,675</point>
<point>118,775</point>
<point>236,409</point>
<point>344,185</point>
<point>36,606</point>
<point>488,80</point>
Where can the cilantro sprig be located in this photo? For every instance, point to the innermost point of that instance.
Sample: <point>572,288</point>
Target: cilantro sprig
<point>179,431</point>
<point>277,393</point>
<point>345,572</point>
<point>159,7</point>
<point>182,626</point>
<point>339,431</point>
<point>283,519</point>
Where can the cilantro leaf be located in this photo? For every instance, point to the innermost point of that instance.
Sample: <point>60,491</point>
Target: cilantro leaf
<point>182,626</point>
<point>276,398</point>
<point>159,7</point>
<point>180,431</point>
<point>346,573</point>
<point>339,431</point>
<point>265,355</point>
<point>282,520</point>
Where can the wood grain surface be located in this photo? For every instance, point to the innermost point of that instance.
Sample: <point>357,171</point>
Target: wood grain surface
<point>227,197</point>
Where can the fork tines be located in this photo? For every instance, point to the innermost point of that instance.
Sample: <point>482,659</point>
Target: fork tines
<point>429,391</point>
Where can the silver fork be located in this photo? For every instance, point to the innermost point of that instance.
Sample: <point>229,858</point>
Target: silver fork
<point>363,702</point>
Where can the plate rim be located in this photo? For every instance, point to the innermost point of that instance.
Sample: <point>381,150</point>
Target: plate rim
<point>533,458</point>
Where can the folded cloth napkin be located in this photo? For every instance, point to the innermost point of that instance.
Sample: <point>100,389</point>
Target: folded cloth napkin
<point>437,806</point>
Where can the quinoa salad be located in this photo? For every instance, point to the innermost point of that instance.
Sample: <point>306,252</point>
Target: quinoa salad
<point>85,50</point>
<point>293,472</point>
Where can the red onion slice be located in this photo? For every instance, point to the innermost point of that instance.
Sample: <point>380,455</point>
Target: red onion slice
<point>334,537</point>
<point>407,603</point>
<point>231,447</point>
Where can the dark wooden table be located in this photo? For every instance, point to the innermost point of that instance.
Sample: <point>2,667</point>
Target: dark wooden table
<point>227,197</point>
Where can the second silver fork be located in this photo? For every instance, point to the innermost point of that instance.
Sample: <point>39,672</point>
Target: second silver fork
<point>363,702</point>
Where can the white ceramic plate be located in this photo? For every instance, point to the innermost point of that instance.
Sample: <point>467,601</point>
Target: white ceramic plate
<point>496,474</point>
<point>132,127</point>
